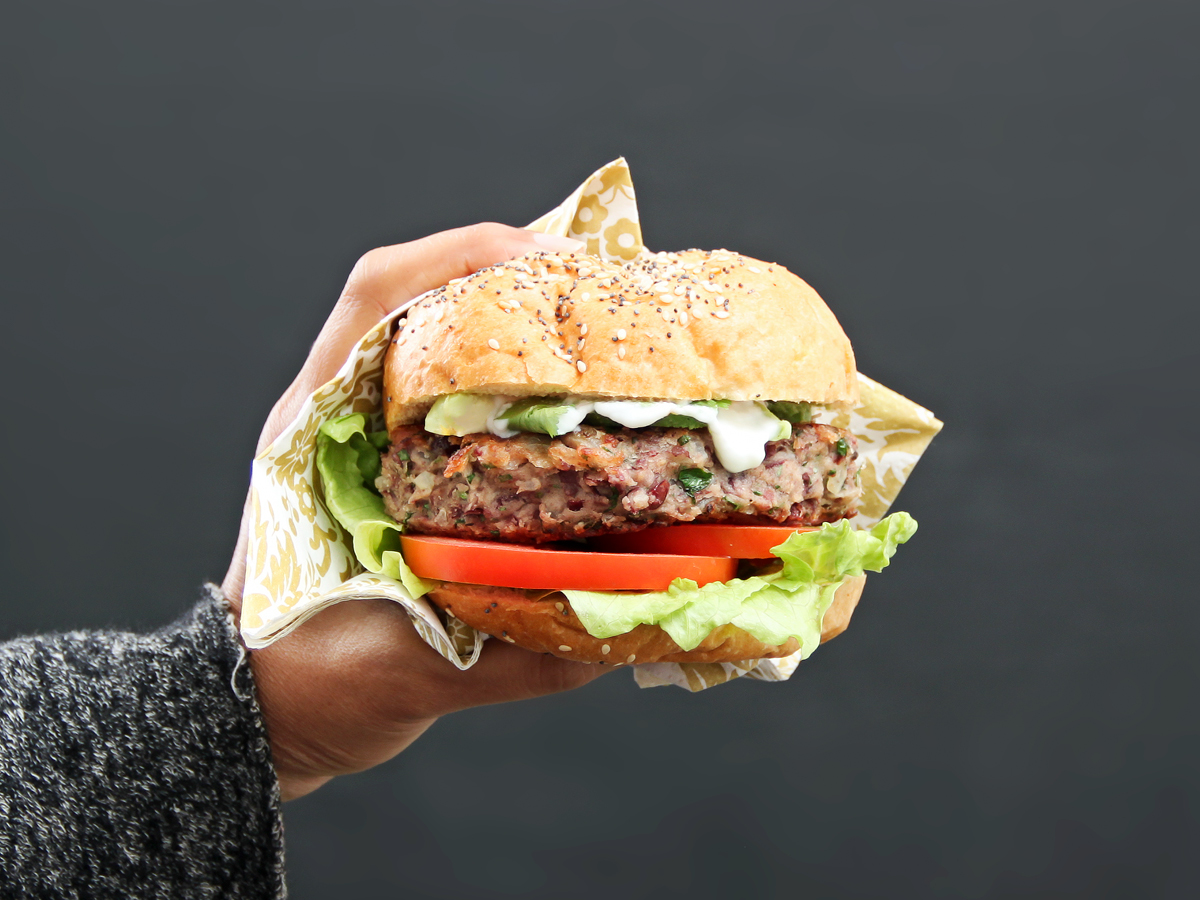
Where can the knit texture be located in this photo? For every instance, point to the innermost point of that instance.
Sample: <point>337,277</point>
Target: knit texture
<point>137,765</point>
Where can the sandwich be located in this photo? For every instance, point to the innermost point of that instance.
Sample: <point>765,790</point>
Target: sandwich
<point>617,463</point>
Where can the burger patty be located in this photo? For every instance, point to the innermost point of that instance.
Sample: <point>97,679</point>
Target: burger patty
<point>534,488</point>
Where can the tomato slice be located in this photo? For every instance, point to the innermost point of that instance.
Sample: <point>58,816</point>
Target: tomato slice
<point>735,541</point>
<point>519,566</point>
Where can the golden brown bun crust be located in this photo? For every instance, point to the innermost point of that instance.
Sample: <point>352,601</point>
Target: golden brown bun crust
<point>774,338</point>
<point>544,622</point>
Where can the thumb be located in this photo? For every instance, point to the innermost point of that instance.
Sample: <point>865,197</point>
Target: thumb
<point>505,672</point>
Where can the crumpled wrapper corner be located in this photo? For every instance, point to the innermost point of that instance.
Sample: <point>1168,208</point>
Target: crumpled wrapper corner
<point>300,561</point>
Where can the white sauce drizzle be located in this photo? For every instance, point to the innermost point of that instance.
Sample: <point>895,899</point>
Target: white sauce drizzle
<point>740,431</point>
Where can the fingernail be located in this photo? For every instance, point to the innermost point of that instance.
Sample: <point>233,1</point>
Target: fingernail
<point>557,244</point>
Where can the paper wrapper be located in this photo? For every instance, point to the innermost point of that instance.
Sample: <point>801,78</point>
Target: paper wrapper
<point>300,561</point>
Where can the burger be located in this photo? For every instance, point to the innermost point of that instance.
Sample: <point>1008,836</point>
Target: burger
<point>617,463</point>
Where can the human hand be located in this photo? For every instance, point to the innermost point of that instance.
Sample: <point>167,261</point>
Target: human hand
<point>355,684</point>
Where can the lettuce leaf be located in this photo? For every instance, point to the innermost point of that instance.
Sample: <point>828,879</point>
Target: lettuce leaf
<point>348,462</point>
<point>774,607</point>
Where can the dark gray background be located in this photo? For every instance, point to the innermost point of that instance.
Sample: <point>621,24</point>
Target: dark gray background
<point>998,199</point>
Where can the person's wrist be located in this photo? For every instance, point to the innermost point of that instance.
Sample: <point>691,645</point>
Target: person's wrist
<point>350,690</point>
<point>299,772</point>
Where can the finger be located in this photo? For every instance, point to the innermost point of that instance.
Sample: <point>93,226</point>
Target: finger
<point>505,672</point>
<point>386,277</point>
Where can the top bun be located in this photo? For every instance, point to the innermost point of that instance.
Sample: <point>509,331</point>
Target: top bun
<point>696,325</point>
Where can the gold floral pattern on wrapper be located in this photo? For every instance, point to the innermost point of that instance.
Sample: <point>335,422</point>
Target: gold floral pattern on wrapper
<point>300,560</point>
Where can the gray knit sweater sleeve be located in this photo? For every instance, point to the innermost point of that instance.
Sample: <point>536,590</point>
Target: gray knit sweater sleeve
<point>136,765</point>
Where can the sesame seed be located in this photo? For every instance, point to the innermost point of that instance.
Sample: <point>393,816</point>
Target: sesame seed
<point>559,606</point>
<point>605,648</point>
<point>621,334</point>
<point>583,328</point>
<point>632,657</point>
<point>493,343</point>
<point>755,269</point>
<point>581,366</point>
<point>564,648</point>
<point>620,351</point>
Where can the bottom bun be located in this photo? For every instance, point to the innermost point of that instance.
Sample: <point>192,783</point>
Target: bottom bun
<point>543,621</point>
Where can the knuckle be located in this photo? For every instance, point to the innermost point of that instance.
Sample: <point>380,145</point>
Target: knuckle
<point>367,267</point>
<point>364,278</point>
